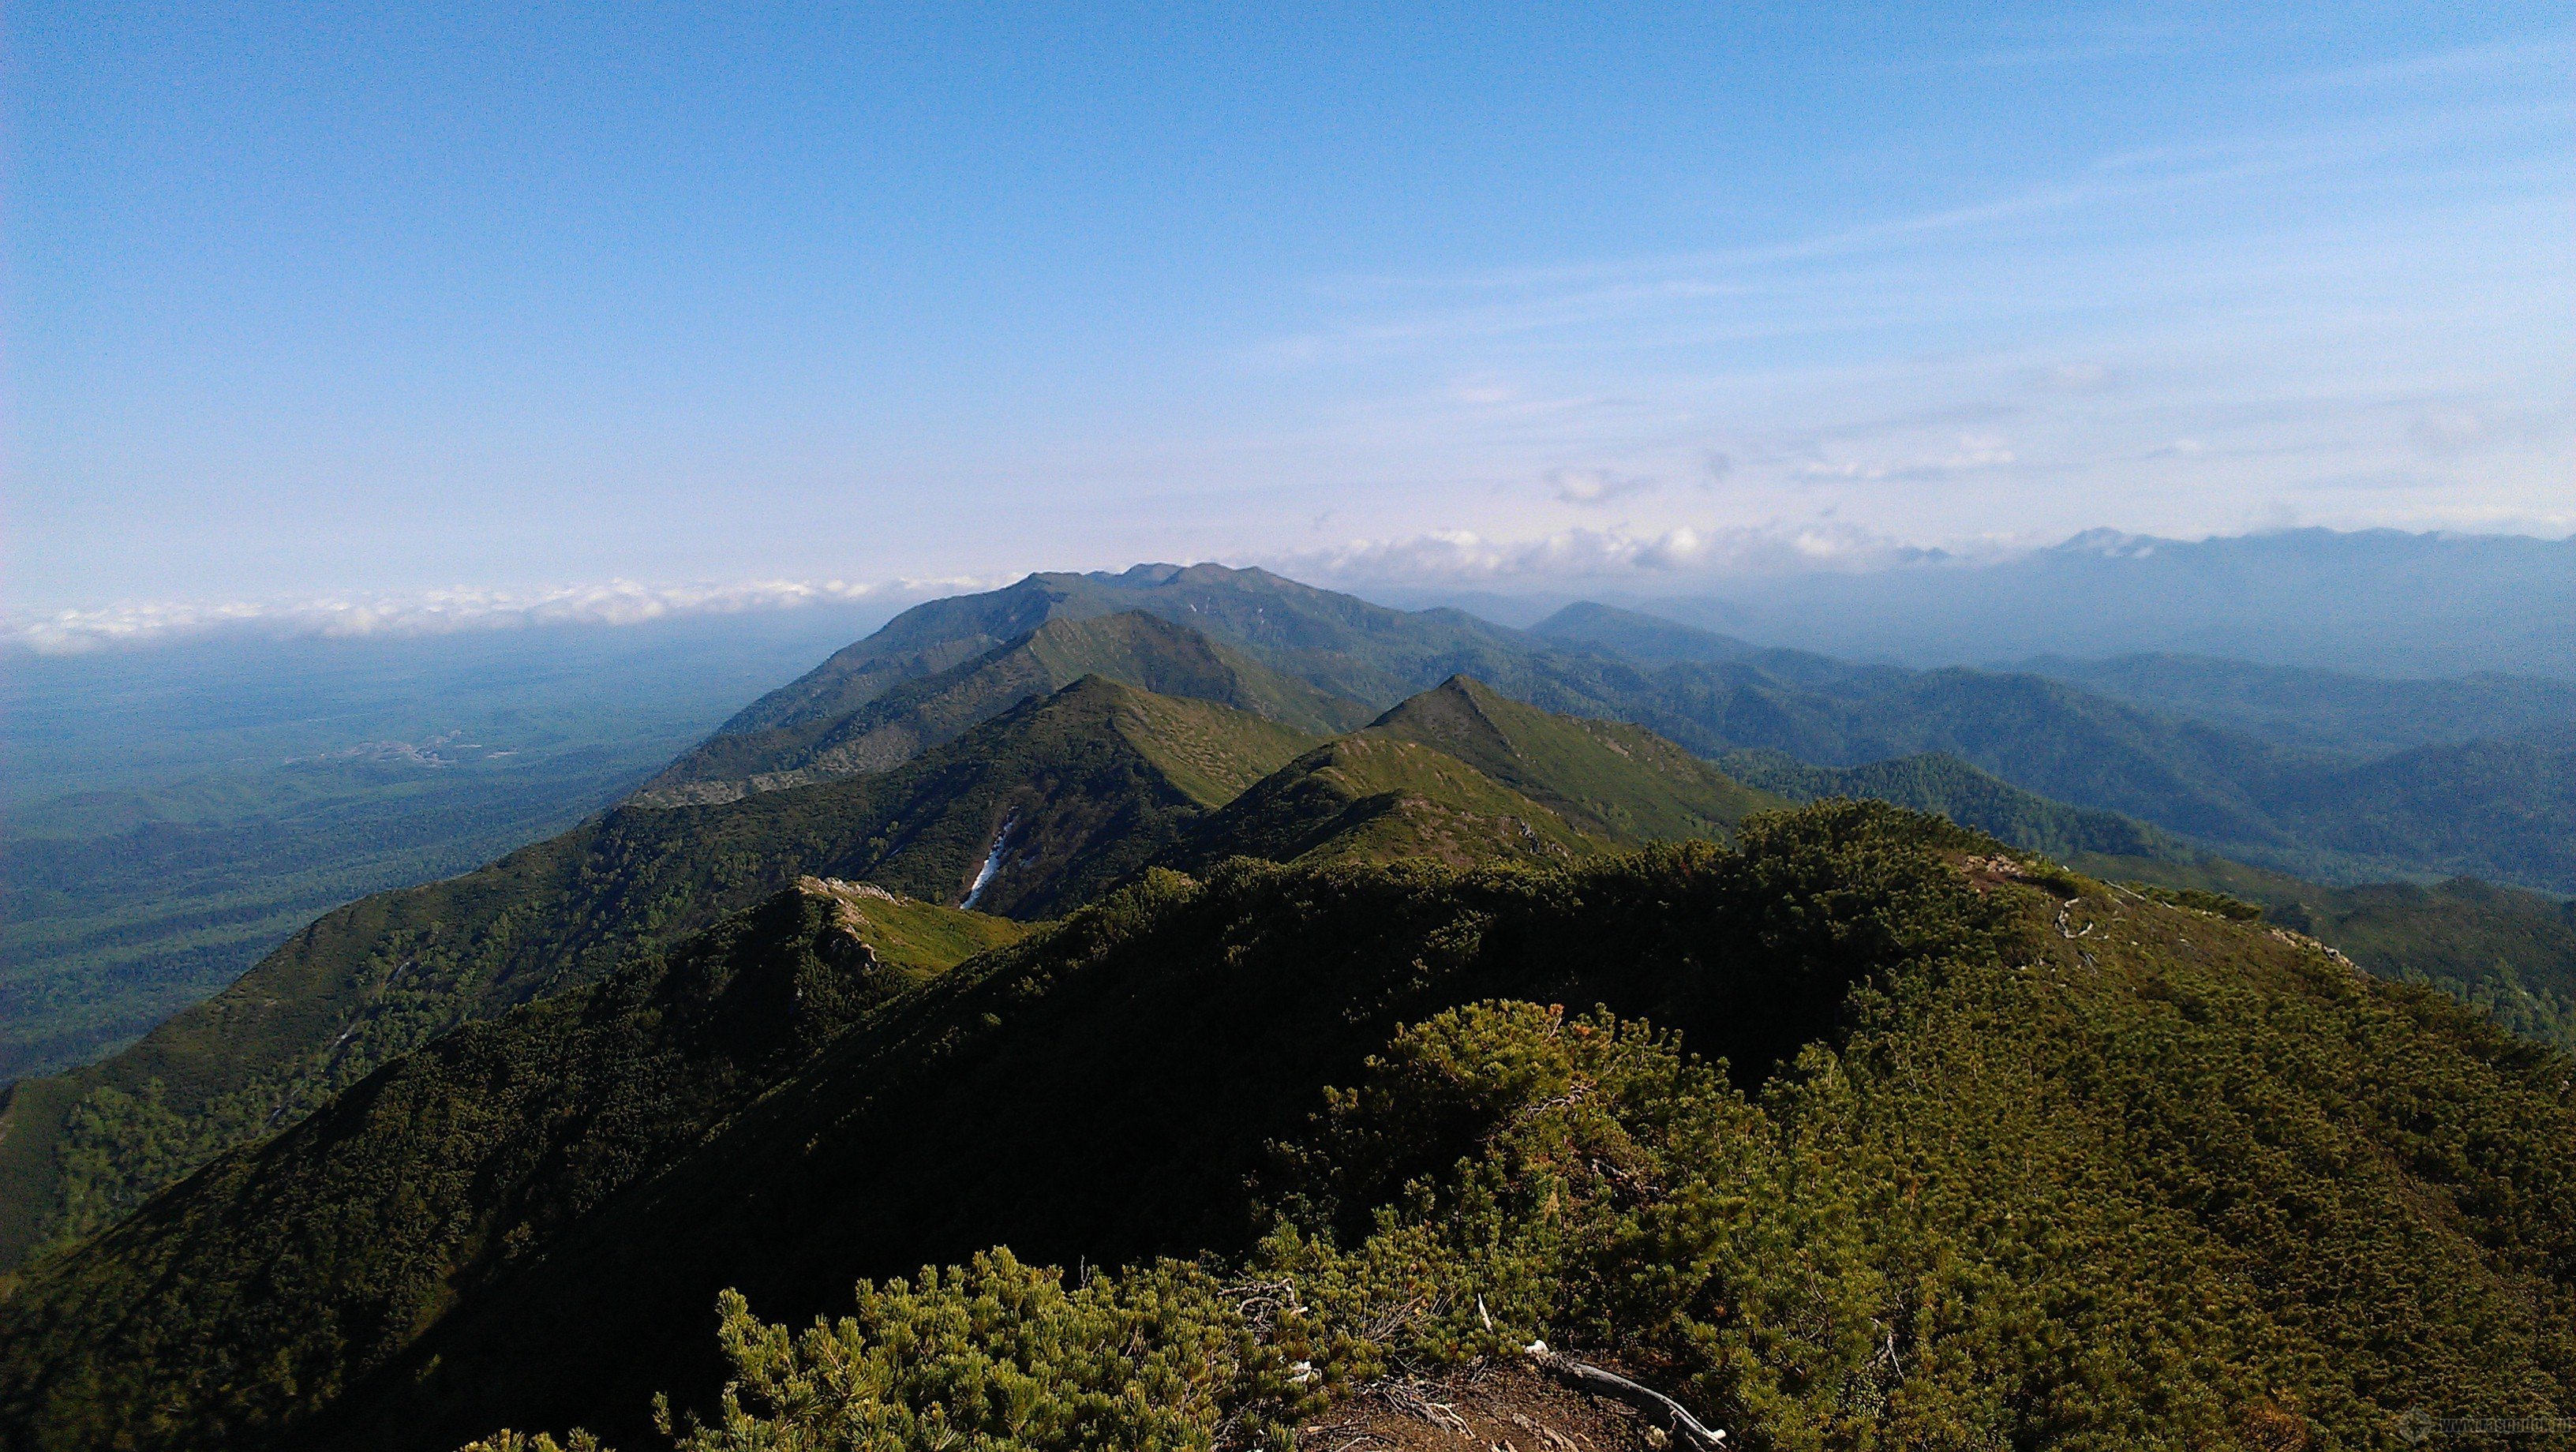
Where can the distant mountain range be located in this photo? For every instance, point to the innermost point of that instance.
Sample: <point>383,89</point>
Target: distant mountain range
<point>2198,749</point>
<point>2373,602</point>
<point>476,1152</point>
<point>1171,715</point>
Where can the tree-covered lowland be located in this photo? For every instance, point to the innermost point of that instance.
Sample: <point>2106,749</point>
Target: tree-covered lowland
<point>1193,1009</point>
<point>169,816</point>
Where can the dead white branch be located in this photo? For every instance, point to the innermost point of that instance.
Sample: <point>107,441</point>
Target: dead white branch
<point>1670,1414</point>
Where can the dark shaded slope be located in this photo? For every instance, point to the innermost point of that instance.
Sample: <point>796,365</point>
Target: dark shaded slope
<point>1372,798</point>
<point>2097,1169</point>
<point>282,1272</point>
<point>2172,1175</point>
<point>1090,785</point>
<point>1104,1092</point>
<point>1132,648</point>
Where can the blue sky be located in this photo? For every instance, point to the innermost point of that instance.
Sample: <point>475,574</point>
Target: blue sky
<point>305,300</point>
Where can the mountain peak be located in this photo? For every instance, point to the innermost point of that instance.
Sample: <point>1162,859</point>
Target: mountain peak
<point>1606,778</point>
<point>1648,638</point>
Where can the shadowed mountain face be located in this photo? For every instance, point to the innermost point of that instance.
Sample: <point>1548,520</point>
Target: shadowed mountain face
<point>2257,1189</point>
<point>452,1167</point>
<point>1029,813</point>
<point>1042,831</point>
<point>1373,798</point>
<point>911,716</point>
<point>1060,798</point>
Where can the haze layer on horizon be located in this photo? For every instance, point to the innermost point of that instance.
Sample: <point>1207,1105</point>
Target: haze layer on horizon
<point>306,301</point>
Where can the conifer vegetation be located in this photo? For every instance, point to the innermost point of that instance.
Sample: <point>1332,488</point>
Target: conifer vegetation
<point>1927,1141</point>
<point>1184,1008</point>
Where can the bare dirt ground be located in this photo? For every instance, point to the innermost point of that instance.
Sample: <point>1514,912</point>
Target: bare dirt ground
<point>1496,1407</point>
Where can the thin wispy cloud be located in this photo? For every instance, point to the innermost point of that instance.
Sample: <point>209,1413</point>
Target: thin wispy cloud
<point>441,612</point>
<point>2009,274</point>
<point>1592,487</point>
<point>1578,556</point>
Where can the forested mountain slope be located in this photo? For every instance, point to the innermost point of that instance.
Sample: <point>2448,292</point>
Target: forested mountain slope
<point>2498,809</point>
<point>2454,809</point>
<point>2330,711</point>
<point>1946,786</point>
<point>1338,643</point>
<point>1604,776</point>
<point>1031,812</point>
<point>79,1149</point>
<point>1087,785</point>
<point>1994,1153</point>
<point>2190,746</point>
<point>2509,952</point>
<point>909,717</point>
<point>1372,798</point>
<point>313,1257</point>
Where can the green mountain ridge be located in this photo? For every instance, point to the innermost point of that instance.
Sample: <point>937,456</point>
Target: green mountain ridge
<point>1078,790</point>
<point>2214,751</point>
<point>2227,788</point>
<point>85,1147</point>
<point>1369,798</point>
<point>474,1153</point>
<point>1964,1172</point>
<point>1606,777</point>
<point>2508,952</point>
<point>120,908</point>
<point>1090,784</point>
<point>78,1150</point>
<point>1132,648</point>
<point>1944,785</point>
<point>1335,642</point>
<point>2351,715</point>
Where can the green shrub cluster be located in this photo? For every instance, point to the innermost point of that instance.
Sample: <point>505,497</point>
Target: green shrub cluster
<point>1871,1254</point>
<point>1998,1162</point>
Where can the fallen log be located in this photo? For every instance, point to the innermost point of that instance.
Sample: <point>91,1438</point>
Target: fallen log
<point>1663,1410</point>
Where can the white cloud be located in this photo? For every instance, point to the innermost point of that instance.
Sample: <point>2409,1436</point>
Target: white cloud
<point>437,612</point>
<point>1595,486</point>
<point>1579,555</point>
